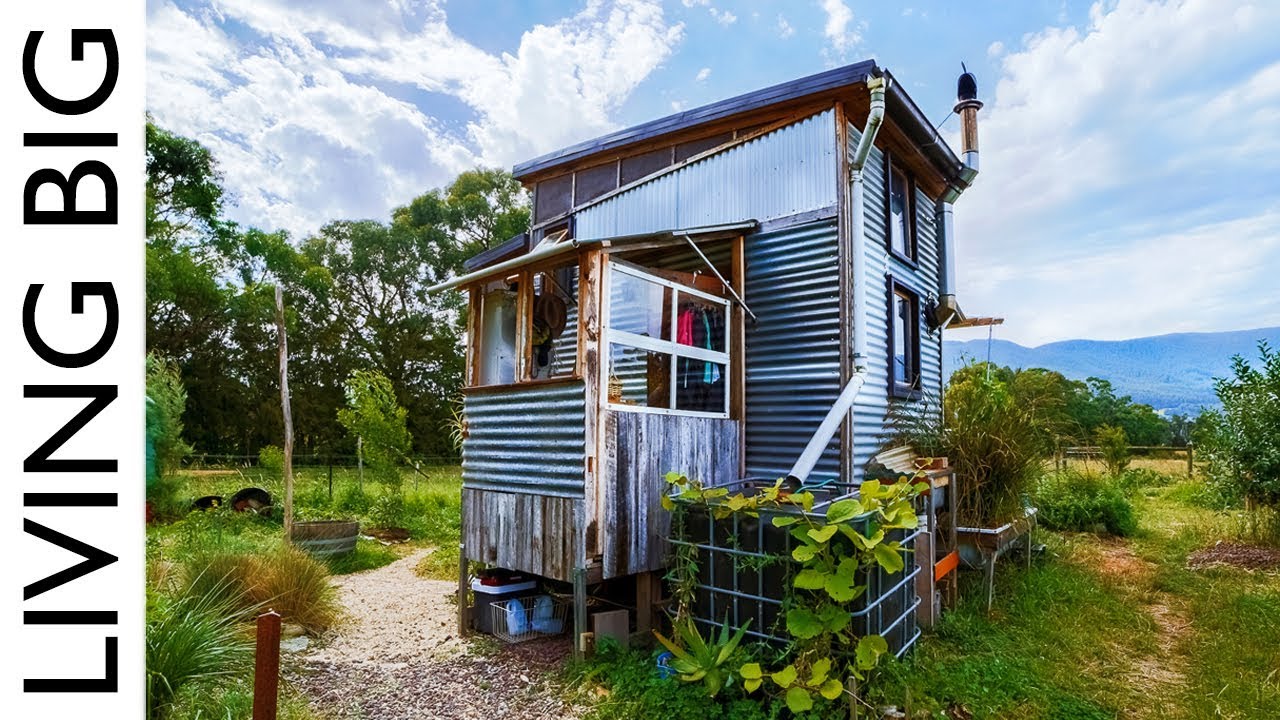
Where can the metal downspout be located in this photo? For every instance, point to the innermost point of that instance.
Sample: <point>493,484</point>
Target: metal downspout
<point>836,415</point>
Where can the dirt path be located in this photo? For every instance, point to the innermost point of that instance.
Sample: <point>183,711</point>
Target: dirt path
<point>397,657</point>
<point>1156,677</point>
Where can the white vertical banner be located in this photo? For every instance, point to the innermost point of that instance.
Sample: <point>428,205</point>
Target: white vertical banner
<point>71,314</point>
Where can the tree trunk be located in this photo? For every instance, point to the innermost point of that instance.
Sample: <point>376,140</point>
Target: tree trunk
<point>288,416</point>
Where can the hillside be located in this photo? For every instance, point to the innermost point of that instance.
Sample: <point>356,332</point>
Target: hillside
<point>1169,372</point>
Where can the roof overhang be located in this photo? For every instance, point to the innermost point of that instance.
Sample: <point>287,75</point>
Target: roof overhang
<point>551,250</point>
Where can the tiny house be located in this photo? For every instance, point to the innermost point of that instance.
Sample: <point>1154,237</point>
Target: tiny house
<point>735,291</point>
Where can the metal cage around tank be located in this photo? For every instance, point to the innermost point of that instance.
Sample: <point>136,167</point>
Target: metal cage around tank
<point>744,568</point>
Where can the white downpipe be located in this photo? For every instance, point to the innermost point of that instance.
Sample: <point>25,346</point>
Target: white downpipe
<point>840,410</point>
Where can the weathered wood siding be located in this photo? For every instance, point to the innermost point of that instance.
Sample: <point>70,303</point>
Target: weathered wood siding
<point>531,533</point>
<point>641,448</point>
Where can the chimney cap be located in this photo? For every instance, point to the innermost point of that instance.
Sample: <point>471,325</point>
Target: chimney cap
<point>967,90</point>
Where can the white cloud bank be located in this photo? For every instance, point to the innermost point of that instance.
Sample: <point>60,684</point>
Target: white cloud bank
<point>1128,176</point>
<point>295,99</point>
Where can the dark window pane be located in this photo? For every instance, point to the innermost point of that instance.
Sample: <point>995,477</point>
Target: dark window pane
<point>555,196</point>
<point>595,181</point>
<point>899,213</point>
<point>901,339</point>
<point>700,385</point>
<point>638,166</point>
<point>639,377</point>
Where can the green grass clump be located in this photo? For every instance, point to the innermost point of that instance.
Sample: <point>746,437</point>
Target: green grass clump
<point>1084,501</point>
<point>193,638</point>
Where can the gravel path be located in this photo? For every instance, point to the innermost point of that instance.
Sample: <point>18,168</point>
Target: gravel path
<point>397,657</point>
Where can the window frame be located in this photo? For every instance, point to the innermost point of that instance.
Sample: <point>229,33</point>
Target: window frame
<point>912,390</point>
<point>672,348</point>
<point>891,165</point>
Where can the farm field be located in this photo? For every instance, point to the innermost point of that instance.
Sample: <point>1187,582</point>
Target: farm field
<point>1099,627</point>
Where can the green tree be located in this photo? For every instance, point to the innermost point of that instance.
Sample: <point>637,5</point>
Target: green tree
<point>373,414</point>
<point>166,401</point>
<point>1114,445</point>
<point>1244,437</point>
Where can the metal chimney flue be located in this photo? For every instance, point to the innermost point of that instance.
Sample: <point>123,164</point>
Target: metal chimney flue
<point>967,107</point>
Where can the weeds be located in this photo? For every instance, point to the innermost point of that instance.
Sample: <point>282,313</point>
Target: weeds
<point>1084,501</point>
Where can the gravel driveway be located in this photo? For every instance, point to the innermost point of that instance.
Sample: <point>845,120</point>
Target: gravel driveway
<point>397,657</point>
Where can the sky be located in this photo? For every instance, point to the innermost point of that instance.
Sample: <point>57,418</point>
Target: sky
<point>1130,168</point>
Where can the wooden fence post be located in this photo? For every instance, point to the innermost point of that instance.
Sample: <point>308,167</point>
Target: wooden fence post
<point>287,415</point>
<point>1191,468</point>
<point>266,667</point>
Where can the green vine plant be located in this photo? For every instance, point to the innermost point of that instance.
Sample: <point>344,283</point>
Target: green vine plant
<point>834,547</point>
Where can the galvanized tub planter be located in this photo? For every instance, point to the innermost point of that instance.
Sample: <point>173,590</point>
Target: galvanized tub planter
<point>745,568</point>
<point>981,547</point>
<point>326,538</point>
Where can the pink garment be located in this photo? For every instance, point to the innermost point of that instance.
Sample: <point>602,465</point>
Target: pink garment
<point>684,327</point>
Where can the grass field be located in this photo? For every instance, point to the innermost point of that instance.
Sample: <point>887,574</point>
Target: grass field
<point>430,511</point>
<point>1108,628</point>
<point>1097,628</point>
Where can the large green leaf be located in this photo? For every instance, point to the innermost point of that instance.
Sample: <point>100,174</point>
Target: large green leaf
<point>831,689</point>
<point>784,677</point>
<point>675,649</point>
<point>785,520</point>
<point>870,648</point>
<point>870,489</point>
<point>810,579</point>
<point>841,588</point>
<point>799,700</point>
<point>751,671</point>
<point>889,558</point>
<point>819,671</point>
<point>803,553</point>
<point>803,624</point>
<point>834,618</point>
<point>822,534</point>
<point>843,510</point>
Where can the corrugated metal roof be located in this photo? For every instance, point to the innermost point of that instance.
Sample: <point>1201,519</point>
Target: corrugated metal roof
<point>783,92</point>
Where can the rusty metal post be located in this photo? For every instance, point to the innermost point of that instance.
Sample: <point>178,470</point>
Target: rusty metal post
<point>266,667</point>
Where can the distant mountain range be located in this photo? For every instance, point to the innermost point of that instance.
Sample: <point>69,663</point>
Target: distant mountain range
<point>1173,373</point>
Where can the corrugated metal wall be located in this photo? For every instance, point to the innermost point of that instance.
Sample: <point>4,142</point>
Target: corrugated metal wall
<point>781,173</point>
<point>869,411</point>
<point>526,439</point>
<point>793,353</point>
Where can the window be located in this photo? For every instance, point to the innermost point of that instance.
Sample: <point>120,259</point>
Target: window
<point>904,341</point>
<point>526,327</point>
<point>668,345</point>
<point>899,211</point>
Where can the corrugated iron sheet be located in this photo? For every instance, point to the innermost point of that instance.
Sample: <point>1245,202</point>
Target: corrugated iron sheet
<point>781,173</point>
<point>869,425</point>
<point>526,440</point>
<point>793,353</point>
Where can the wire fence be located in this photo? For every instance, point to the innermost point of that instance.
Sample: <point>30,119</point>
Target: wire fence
<point>213,461</point>
<point>1087,453</point>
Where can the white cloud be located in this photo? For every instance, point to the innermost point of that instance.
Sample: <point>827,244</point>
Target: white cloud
<point>837,29</point>
<point>724,17</point>
<point>785,30</point>
<point>1120,196</point>
<point>703,74</point>
<point>304,122</point>
<point>995,49</point>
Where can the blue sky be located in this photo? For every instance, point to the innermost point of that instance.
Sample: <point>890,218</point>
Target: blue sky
<point>1130,149</point>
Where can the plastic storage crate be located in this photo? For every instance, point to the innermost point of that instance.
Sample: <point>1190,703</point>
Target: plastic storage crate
<point>525,618</point>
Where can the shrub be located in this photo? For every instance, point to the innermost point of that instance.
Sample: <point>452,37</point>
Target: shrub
<point>192,638</point>
<point>1084,501</point>
<point>374,416</point>
<point>286,580</point>
<point>995,443</point>
<point>1134,478</point>
<point>388,510</point>
<point>1243,440</point>
<point>271,458</point>
<point>1113,443</point>
<point>166,401</point>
